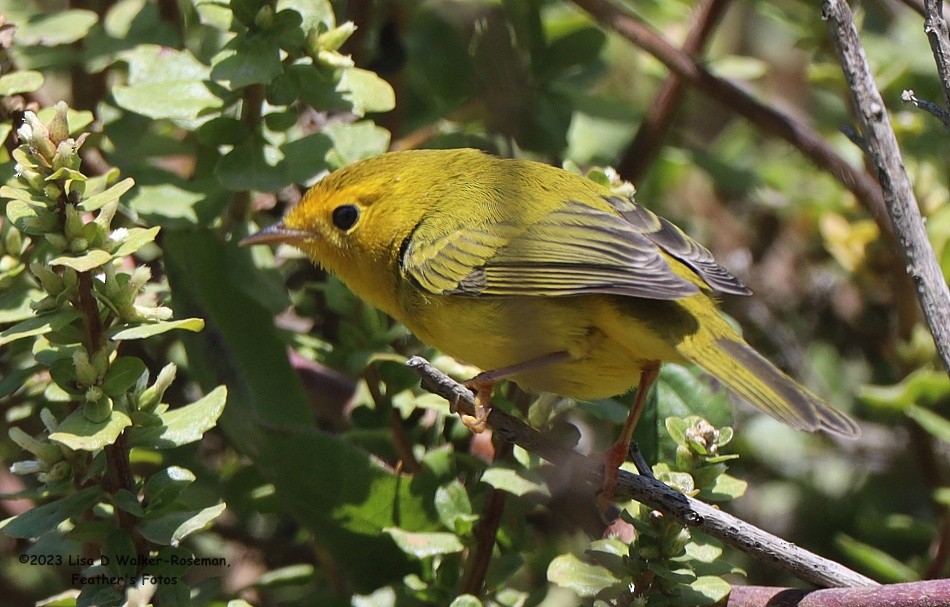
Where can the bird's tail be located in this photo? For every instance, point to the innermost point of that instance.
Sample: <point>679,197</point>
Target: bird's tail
<point>748,374</point>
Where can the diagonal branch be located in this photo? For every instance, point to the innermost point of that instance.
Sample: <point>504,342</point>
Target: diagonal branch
<point>725,527</point>
<point>939,35</point>
<point>769,119</point>
<point>643,150</point>
<point>884,153</point>
<point>911,594</point>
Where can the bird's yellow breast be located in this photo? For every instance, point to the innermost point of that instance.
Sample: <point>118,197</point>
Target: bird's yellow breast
<point>608,345</point>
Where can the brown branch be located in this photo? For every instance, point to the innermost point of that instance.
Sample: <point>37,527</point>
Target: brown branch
<point>693,513</point>
<point>884,153</point>
<point>769,119</point>
<point>939,36</point>
<point>641,153</point>
<point>486,532</point>
<point>914,594</point>
<point>915,5</point>
<point>252,107</point>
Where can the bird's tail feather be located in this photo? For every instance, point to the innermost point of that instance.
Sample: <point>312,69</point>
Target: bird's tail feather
<point>758,381</point>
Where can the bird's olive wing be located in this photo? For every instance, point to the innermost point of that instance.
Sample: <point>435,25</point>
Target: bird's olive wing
<point>574,250</point>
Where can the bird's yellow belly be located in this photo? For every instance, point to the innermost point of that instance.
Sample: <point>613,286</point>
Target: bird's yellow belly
<point>608,348</point>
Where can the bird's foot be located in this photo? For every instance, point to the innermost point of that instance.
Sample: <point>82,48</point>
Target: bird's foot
<point>482,389</point>
<point>613,458</point>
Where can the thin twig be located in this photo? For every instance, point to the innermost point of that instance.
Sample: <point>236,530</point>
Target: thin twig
<point>922,265</point>
<point>712,521</point>
<point>401,442</point>
<point>769,119</point>
<point>939,36</point>
<point>641,153</point>
<point>915,5</point>
<point>486,533</point>
<point>932,108</point>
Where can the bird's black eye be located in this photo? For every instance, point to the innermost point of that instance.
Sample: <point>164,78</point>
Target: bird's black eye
<point>345,216</point>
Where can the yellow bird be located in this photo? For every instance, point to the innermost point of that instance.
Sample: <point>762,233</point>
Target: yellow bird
<point>538,275</point>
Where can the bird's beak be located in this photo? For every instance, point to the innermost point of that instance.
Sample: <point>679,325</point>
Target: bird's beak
<point>276,234</point>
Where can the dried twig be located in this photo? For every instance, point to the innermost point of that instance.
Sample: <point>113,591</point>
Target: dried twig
<point>915,594</point>
<point>922,265</point>
<point>941,114</point>
<point>640,154</point>
<point>939,35</point>
<point>769,119</point>
<point>716,523</point>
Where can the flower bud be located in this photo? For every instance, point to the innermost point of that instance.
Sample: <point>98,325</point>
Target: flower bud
<point>59,126</point>
<point>334,39</point>
<point>99,411</point>
<point>85,372</point>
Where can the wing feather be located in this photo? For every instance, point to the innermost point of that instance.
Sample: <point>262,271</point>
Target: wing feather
<point>573,250</point>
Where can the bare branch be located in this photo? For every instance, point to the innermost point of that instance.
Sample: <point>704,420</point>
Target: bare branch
<point>769,119</point>
<point>941,114</point>
<point>914,594</point>
<point>939,36</point>
<point>640,154</point>
<point>922,265</point>
<point>712,521</point>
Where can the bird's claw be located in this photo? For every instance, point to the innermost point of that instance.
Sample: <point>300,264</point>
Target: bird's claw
<point>482,389</point>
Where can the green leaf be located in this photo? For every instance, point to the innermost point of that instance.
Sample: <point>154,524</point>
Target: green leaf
<point>170,529</point>
<point>85,262</point>
<point>30,217</point>
<point>127,501</point>
<point>164,487</point>
<point>38,325</point>
<point>306,158</point>
<point>579,48</point>
<point>292,575</point>
<point>122,375</point>
<point>875,562</point>
<point>180,204</point>
<point>153,64</point>
<point>183,425</point>
<point>355,141</point>
<point>703,552</point>
<point>77,432</point>
<point>314,12</point>
<point>223,130</point>
<point>247,60</point>
<point>17,83</point>
<point>182,100</point>
<point>584,579</point>
<point>57,27</point>
<point>78,119</point>
<point>135,239</point>
<point>143,331</point>
<point>724,488</point>
<point>269,420</point>
<point>43,519</point>
<point>166,83</point>
<point>466,600</point>
<point>924,387</point>
<point>366,91</point>
<point>15,304</point>
<point>704,590</point>
<point>425,545</point>
<point>97,201</point>
<point>933,423</point>
<point>452,504</point>
<point>252,165</point>
<point>516,482</point>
